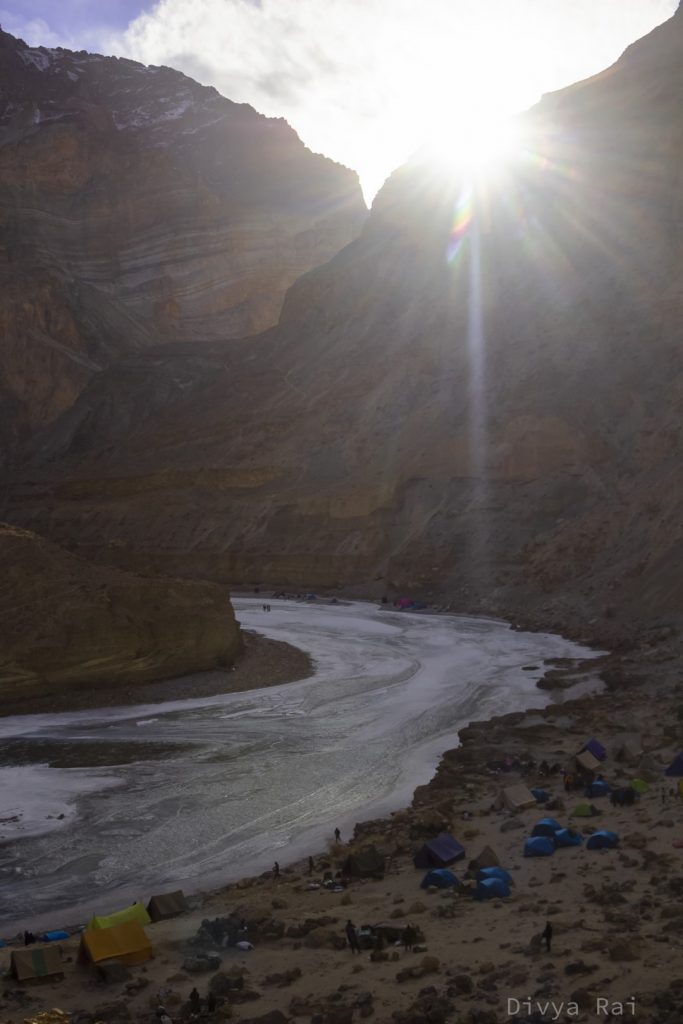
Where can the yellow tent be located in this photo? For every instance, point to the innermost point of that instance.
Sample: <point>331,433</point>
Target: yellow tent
<point>127,943</point>
<point>136,912</point>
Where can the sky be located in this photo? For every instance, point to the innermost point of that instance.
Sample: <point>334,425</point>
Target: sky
<point>365,82</point>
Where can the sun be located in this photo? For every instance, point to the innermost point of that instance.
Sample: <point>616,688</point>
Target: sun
<point>477,144</point>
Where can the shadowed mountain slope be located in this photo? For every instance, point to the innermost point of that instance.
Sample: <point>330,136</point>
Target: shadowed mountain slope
<point>480,396</point>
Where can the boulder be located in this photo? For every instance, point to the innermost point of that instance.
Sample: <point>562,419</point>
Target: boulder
<point>284,978</point>
<point>113,972</point>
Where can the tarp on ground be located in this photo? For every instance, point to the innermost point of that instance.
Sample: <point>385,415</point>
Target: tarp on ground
<point>567,837</point>
<point>442,878</point>
<point>491,889</point>
<point>515,798</point>
<point>488,858</point>
<point>540,795</point>
<point>136,912</point>
<point>676,766</point>
<point>439,852</point>
<point>602,840</point>
<point>494,872</point>
<point>595,748</point>
<point>36,962</point>
<point>545,827</point>
<point>588,761</point>
<point>539,846</point>
<point>640,785</point>
<point>598,788</point>
<point>167,904</point>
<point>55,936</point>
<point>366,863</point>
<point>125,942</point>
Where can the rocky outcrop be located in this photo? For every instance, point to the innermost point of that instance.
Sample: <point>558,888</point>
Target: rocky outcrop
<point>479,397</point>
<point>66,623</point>
<point>138,208</point>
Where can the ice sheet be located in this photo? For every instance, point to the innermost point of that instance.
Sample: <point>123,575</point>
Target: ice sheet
<point>270,772</point>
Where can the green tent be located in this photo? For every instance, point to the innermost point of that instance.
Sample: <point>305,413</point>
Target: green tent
<point>168,904</point>
<point>584,811</point>
<point>639,785</point>
<point>136,912</point>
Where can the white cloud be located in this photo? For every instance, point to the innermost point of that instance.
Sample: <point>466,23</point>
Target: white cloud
<point>34,31</point>
<point>365,81</point>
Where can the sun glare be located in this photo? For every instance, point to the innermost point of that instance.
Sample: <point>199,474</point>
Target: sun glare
<point>479,146</point>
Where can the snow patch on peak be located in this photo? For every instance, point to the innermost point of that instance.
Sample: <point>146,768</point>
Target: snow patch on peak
<point>40,59</point>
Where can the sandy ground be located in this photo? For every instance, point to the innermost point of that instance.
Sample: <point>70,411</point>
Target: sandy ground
<point>616,915</point>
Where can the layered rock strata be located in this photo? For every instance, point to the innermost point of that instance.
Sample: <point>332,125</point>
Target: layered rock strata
<point>138,207</point>
<point>67,623</point>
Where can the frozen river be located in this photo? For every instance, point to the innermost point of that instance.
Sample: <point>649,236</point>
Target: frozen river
<point>250,777</point>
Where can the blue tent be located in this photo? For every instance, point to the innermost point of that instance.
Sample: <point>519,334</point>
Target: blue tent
<point>676,766</point>
<point>442,878</point>
<point>567,837</point>
<point>539,846</point>
<point>483,873</point>
<point>439,852</point>
<point>545,827</point>
<point>595,748</point>
<point>540,795</point>
<point>491,889</point>
<point>598,788</point>
<point>602,840</point>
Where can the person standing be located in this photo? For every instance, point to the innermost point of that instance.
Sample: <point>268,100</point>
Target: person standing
<point>195,1001</point>
<point>311,865</point>
<point>337,836</point>
<point>276,870</point>
<point>547,934</point>
<point>352,936</point>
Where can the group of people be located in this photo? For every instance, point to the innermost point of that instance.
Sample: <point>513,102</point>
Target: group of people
<point>409,937</point>
<point>265,607</point>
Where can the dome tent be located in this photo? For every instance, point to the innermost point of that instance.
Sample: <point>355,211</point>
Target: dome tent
<point>567,837</point>
<point>539,846</point>
<point>495,872</point>
<point>545,827</point>
<point>442,878</point>
<point>602,840</point>
<point>491,889</point>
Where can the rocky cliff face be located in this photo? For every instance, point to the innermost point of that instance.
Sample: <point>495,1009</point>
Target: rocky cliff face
<point>479,397</point>
<point>139,208</point>
<point>66,622</point>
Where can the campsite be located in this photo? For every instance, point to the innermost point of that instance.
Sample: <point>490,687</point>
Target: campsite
<point>451,870</point>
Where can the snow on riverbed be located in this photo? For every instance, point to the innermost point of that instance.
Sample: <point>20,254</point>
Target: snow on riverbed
<point>265,773</point>
<point>35,799</point>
